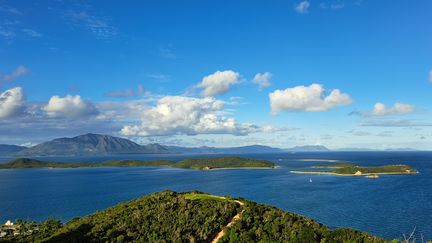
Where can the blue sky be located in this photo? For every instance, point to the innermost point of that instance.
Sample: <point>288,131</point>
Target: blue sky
<point>218,73</point>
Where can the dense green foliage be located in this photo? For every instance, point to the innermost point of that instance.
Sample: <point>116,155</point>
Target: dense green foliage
<point>352,169</point>
<point>165,216</point>
<point>224,162</point>
<point>131,163</point>
<point>377,169</point>
<point>210,163</point>
<point>24,163</point>
<point>30,231</point>
<point>190,217</point>
<point>261,223</point>
<point>347,169</point>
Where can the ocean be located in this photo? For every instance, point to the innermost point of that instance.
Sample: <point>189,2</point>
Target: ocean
<point>388,207</point>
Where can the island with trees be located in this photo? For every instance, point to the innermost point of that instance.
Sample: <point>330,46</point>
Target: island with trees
<point>228,162</point>
<point>349,169</point>
<point>169,216</point>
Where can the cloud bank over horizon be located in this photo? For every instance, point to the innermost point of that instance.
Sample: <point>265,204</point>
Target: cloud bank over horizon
<point>179,115</point>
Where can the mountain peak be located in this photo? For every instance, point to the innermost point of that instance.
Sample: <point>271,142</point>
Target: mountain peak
<point>91,144</point>
<point>95,136</point>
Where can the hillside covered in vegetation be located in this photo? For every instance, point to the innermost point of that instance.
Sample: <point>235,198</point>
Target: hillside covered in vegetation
<point>25,163</point>
<point>385,169</point>
<point>198,164</point>
<point>348,169</point>
<point>224,162</point>
<point>193,217</point>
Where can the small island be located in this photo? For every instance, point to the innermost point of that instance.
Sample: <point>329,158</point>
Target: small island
<point>228,162</point>
<point>348,169</point>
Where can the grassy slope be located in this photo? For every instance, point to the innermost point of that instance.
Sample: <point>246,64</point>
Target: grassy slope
<point>196,217</point>
<point>202,196</point>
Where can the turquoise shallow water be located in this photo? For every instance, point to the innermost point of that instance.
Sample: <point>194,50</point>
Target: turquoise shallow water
<point>388,206</point>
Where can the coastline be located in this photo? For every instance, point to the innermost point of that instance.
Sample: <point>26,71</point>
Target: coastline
<point>237,168</point>
<point>322,160</point>
<point>363,174</point>
<point>222,163</point>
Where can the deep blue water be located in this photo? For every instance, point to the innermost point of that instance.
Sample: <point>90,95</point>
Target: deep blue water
<point>388,206</point>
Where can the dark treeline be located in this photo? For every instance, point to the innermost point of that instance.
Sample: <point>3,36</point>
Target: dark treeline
<point>222,162</point>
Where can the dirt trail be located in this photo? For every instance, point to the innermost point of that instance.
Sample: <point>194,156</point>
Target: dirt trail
<point>236,218</point>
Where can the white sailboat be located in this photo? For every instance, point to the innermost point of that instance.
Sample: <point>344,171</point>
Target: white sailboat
<point>310,179</point>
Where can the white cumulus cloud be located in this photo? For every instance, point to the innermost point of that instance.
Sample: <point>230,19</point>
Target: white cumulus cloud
<point>307,98</point>
<point>69,107</point>
<point>218,83</point>
<point>262,80</point>
<point>175,115</point>
<point>302,7</point>
<point>398,108</point>
<point>12,102</point>
<point>381,109</point>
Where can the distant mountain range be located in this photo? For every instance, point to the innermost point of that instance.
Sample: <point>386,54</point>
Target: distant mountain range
<point>368,150</point>
<point>91,144</point>
<point>355,149</point>
<point>6,149</point>
<point>234,150</point>
<point>309,148</point>
<point>96,144</point>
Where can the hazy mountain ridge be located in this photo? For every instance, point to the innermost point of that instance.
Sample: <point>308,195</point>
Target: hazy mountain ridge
<point>309,148</point>
<point>97,144</point>
<point>91,144</point>
<point>233,150</point>
<point>6,149</point>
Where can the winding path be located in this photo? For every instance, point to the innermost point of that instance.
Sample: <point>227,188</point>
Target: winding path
<point>236,218</point>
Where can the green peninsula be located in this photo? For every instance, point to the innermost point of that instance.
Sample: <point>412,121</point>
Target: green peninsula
<point>229,162</point>
<point>348,169</point>
<point>189,217</point>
